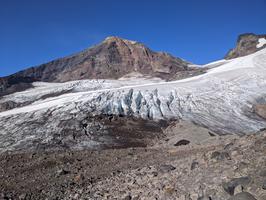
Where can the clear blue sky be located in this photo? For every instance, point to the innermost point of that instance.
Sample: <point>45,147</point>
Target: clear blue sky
<point>36,31</point>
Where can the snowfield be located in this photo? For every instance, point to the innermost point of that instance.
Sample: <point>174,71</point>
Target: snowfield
<point>220,99</point>
<point>262,42</point>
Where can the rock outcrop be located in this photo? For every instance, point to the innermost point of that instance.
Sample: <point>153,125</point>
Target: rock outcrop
<point>260,109</point>
<point>247,44</point>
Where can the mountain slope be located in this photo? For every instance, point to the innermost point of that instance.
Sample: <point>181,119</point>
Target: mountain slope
<point>221,99</point>
<point>111,59</point>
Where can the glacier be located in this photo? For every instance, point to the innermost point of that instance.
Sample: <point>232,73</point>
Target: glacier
<point>221,99</point>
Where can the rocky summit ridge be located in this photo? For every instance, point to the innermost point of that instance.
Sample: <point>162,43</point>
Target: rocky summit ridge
<point>111,59</point>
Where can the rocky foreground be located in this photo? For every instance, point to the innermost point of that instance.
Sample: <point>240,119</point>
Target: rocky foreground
<point>199,165</point>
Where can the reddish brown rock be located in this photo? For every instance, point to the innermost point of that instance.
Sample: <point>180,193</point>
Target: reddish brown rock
<point>111,59</point>
<point>260,109</point>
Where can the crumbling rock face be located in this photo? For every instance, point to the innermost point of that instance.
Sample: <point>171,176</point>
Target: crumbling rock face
<point>247,44</point>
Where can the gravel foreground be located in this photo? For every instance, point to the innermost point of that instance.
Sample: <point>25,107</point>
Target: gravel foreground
<point>209,167</point>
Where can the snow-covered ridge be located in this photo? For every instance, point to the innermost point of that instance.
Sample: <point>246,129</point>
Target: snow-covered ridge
<point>221,99</point>
<point>125,40</point>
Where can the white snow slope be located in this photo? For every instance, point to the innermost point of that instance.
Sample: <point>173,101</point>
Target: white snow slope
<point>220,99</point>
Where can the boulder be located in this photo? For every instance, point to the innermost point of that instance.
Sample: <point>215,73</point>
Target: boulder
<point>243,196</point>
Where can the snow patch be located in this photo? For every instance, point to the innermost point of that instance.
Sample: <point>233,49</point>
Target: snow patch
<point>262,42</point>
<point>125,40</point>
